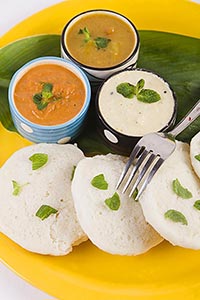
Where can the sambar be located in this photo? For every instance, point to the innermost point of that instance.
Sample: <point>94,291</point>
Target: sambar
<point>100,39</point>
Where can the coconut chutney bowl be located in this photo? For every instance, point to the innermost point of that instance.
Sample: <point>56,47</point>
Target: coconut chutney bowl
<point>49,98</point>
<point>132,103</point>
<point>101,42</point>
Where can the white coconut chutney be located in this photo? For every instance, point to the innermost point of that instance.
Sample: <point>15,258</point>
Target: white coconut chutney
<point>131,116</point>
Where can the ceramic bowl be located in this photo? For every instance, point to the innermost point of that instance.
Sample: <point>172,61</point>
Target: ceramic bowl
<point>95,73</point>
<point>122,119</point>
<point>60,133</point>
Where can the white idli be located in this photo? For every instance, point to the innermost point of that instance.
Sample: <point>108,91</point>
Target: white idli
<point>171,202</point>
<point>24,191</point>
<point>195,153</point>
<point>123,231</point>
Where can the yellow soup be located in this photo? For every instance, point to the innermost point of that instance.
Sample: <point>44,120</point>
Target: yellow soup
<point>100,40</point>
<point>49,94</point>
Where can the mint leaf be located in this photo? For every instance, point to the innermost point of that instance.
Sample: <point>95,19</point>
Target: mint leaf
<point>45,97</point>
<point>148,96</point>
<point>39,101</point>
<point>86,33</point>
<point>47,87</point>
<point>101,42</point>
<point>197,157</point>
<point>38,160</point>
<point>17,188</point>
<point>139,85</point>
<point>176,216</point>
<point>47,90</point>
<point>197,204</point>
<point>42,105</point>
<point>45,211</point>
<point>180,190</point>
<point>99,182</point>
<point>114,202</point>
<point>37,98</point>
<point>126,89</point>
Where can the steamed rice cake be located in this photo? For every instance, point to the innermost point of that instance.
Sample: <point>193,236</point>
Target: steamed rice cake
<point>113,221</point>
<point>37,210</point>
<point>171,202</point>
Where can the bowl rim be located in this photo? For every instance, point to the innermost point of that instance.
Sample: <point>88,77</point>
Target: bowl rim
<point>122,135</point>
<point>51,59</point>
<point>121,64</point>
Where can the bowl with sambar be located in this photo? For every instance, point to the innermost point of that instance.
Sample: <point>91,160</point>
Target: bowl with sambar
<point>49,98</point>
<point>101,42</point>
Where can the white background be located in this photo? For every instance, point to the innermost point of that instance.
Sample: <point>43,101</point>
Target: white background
<point>12,12</point>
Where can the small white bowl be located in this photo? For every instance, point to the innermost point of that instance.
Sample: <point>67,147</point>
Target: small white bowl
<point>61,133</point>
<point>100,73</point>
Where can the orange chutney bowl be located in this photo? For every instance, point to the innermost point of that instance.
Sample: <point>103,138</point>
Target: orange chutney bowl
<point>49,98</point>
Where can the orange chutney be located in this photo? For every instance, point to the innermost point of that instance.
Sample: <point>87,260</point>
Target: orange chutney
<point>64,102</point>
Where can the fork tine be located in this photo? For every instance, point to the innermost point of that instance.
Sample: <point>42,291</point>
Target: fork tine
<point>143,172</point>
<point>135,168</point>
<point>133,155</point>
<point>150,176</point>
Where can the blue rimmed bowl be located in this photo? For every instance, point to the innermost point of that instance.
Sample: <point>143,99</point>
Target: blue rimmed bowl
<point>61,133</point>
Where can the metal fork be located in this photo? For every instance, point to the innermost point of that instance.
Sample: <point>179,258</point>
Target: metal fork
<point>152,150</point>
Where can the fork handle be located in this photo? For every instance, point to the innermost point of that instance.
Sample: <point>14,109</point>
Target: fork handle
<point>187,120</point>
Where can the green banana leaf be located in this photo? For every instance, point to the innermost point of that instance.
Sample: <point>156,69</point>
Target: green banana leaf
<point>174,57</point>
<point>15,55</point>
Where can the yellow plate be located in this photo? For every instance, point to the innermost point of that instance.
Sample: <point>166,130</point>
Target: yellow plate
<point>165,272</point>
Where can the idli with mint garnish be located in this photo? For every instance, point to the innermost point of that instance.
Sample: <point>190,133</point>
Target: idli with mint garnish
<point>37,210</point>
<point>112,221</point>
<point>195,153</point>
<point>171,201</point>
